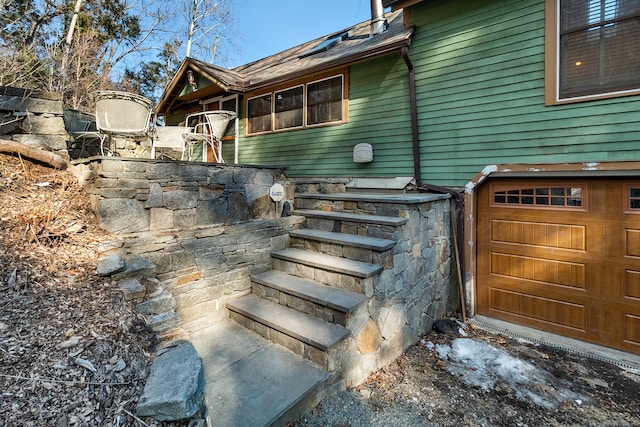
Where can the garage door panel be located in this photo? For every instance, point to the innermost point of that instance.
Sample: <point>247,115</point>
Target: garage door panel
<point>543,271</point>
<point>559,316</point>
<point>632,246</point>
<point>632,331</point>
<point>547,235</point>
<point>572,269</point>
<point>631,286</point>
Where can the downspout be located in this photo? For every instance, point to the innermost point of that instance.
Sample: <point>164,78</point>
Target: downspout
<point>413,109</point>
<point>458,218</point>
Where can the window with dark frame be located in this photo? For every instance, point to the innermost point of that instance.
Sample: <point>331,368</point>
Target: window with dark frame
<point>539,196</point>
<point>598,45</point>
<point>324,101</point>
<point>288,108</point>
<point>634,199</point>
<point>259,114</point>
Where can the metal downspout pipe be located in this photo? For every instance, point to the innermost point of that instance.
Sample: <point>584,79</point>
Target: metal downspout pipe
<point>456,195</point>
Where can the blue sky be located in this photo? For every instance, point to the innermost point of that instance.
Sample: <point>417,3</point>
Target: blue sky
<point>265,27</point>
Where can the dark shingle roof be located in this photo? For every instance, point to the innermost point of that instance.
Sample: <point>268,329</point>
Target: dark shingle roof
<point>356,45</point>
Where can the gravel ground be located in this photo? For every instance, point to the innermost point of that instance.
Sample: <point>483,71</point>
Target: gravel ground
<point>503,382</point>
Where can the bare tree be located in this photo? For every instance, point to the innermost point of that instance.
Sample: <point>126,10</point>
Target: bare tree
<point>209,21</point>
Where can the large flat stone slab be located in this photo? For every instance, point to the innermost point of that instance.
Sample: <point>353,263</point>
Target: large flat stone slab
<point>351,217</point>
<point>251,382</point>
<point>328,296</point>
<point>345,239</point>
<point>329,262</point>
<point>404,198</point>
<point>308,329</point>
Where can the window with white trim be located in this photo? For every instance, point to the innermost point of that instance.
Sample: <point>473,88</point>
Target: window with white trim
<point>595,47</point>
<point>259,114</point>
<point>314,103</point>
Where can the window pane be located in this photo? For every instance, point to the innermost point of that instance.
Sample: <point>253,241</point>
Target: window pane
<point>324,101</point>
<point>288,108</point>
<point>259,114</point>
<point>599,49</point>
<point>569,197</point>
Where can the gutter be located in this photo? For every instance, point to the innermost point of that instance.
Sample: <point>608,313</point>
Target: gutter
<point>457,217</point>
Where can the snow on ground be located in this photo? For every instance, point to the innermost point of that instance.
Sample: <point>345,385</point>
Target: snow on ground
<point>481,364</point>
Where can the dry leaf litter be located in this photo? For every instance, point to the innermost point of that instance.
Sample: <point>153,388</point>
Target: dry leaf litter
<point>72,352</point>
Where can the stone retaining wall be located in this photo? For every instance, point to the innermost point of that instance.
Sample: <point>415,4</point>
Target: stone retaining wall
<point>198,229</point>
<point>42,115</point>
<point>139,195</point>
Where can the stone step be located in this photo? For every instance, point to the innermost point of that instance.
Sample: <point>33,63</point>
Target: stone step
<point>242,369</point>
<point>351,217</point>
<point>395,198</point>
<point>303,327</point>
<point>307,296</point>
<point>371,243</point>
<point>329,262</point>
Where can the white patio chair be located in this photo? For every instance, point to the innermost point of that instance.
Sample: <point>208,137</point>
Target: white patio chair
<point>209,129</point>
<point>168,137</point>
<point>119,113</point>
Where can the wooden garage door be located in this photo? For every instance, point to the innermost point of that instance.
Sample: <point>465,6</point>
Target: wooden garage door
<point>562,256</point>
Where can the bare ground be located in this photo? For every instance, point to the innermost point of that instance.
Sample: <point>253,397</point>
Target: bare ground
<point>419,390</point>
<point>73,353</point>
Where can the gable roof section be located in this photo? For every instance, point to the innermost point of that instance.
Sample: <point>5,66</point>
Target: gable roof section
<point>352,45</point>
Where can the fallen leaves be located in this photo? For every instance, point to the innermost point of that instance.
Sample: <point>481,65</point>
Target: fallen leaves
<point>72,352</point>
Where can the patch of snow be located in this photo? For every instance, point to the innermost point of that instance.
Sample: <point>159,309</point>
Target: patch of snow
<point>480,364</point>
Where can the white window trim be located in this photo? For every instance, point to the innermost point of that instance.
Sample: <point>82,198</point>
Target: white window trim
<point>304,108</point>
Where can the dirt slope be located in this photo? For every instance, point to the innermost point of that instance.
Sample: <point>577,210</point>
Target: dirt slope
<point>72,353</point>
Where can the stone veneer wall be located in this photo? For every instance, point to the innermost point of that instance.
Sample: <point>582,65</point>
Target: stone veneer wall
<point>199,230</point>
<point>413,291</point>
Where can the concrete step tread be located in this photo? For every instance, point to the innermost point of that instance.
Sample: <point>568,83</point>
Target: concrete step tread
<point>239,366</point>
<point>329,262</point>
<point>327,296</point>
<point>352,217</point>
<point>372,243</point>
<point>403,198</point>
<point>308,329</point>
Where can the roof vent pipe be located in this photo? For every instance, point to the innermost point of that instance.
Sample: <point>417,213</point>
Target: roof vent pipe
<point>378,21</point>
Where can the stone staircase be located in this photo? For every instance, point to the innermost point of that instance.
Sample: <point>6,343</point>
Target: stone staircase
<point>314,303</point>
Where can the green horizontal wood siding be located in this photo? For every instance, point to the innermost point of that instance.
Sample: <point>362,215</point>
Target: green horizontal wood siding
<point>480,77</point>
<point>378,114</point>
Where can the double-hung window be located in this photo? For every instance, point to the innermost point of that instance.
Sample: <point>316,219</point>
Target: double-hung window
<point>314,103</point>
<point>593,49</point>
<point>288,108</point>
<point>324,101</point>
<point>259,113</point>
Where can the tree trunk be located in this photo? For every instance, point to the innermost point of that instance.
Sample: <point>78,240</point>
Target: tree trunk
<point>46,157</point>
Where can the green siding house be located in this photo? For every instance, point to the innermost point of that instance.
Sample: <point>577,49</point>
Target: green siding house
<point>527,109</point>
<point>308,107</point>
